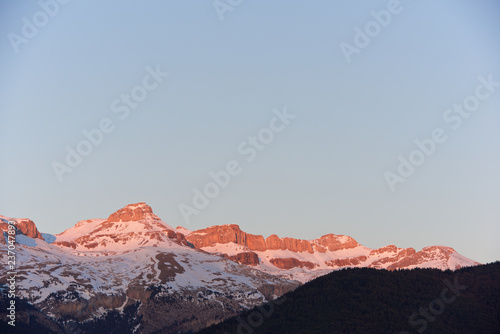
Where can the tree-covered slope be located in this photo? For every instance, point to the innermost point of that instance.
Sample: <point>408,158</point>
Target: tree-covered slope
<point>364,300</point>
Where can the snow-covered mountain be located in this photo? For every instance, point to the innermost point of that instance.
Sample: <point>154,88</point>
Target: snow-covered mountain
<point>304,260</point>
<point>134,260</point>
<point>155,278</point>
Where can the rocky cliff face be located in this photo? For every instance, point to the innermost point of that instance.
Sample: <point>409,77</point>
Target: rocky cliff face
<point>247,258</point>
<point>333,242</point>
<point>409,258</point>
<point>228,234</point>
<point>347,262</point>
<point>132,212</point>
<point>290,262</point>
<point>294,245</point>
<point>223,234</point>
<point>316,257</point>
<point>24,226</point>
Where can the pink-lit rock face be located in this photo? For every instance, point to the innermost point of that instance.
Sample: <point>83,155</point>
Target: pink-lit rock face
<point>25,226</point>
<point>386,249</point>
<point>352,261</point>
<point>289,263</point>
<point>247,258</point>
<point>223,234</point>
<point>294,245</point>
<point>432,253</point>
<point>391,254</point>
<point>334,242</point>
<point>131,212</point>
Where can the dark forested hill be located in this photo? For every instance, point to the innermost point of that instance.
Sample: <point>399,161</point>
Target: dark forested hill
<point>378,301</point>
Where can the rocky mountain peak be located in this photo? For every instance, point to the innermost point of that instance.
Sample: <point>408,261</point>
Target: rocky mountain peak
<point>223,234</point>
<point>24,226</point>
<point>130,227</point>
<point>131,212</point>
<point>333,242</point>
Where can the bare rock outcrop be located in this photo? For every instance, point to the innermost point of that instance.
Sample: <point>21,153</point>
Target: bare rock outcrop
<point>223,234</point>
<point>350,261</point>
<point>131,212</point>
<point>386,249</point>
<point>294,245</point>
<point>333,242</point>
<point>24,226</point>
<point>248,258</point>
<point>426,254</point>
<point>290,262</point>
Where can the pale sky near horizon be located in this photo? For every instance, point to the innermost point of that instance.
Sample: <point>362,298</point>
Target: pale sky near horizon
<point>323,172</point>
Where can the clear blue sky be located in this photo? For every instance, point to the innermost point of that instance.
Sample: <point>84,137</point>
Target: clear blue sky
<point>324,173</point>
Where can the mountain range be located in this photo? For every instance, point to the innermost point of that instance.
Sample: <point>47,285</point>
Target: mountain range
<point>148,277</point>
